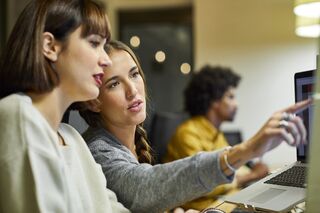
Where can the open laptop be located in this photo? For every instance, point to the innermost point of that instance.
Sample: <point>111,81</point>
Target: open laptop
<point>278,192</point>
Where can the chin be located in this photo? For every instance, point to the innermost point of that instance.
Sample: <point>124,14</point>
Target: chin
<point>90,94</point>
<point>140,119</point>
<point>230,119</point>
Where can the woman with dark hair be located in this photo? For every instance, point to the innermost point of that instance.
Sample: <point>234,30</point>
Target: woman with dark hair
<point>119,143</point>
<point>55,56</point>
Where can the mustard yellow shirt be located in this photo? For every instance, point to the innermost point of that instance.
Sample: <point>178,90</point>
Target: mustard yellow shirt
<point>195,135</point>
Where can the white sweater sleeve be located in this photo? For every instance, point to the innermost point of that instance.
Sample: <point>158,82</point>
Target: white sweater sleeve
<point>37,175</point>
<point>30,174</point>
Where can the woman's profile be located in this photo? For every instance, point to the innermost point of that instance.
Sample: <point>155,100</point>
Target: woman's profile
<point>54,56</point>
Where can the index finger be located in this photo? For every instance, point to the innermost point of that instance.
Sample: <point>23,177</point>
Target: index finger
<point>300,106</point>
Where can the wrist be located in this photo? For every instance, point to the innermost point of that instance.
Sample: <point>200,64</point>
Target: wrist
<point>229,160</point>
<point>233,158</point>
<point>224,164</point>
<point>226,161</point>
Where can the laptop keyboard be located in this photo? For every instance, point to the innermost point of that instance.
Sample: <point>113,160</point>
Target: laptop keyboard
<point>295,176</point>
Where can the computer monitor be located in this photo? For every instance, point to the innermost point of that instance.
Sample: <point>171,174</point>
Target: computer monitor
<point>304,83</point>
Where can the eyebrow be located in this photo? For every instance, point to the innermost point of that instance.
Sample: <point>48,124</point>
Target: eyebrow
<point>96,35</point>
<point>133,68</point>
<point>111,79</point>
<point>115,77</point>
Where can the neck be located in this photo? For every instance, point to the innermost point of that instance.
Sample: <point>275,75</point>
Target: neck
<point>51,105</point>
<point>125,135</point>
<point>214,119</point>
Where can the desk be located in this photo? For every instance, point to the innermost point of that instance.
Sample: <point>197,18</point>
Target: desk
<point>228,207</point>
<point>221,205</point>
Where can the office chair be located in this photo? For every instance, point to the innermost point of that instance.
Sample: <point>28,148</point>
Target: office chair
<point>163,125</point>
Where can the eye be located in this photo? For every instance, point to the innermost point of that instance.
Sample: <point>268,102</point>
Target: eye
<point>95,43</point>
<point>135,74</point>
<point>113,85</point>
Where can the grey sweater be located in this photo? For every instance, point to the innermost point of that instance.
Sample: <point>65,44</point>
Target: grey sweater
<point>146,188</point>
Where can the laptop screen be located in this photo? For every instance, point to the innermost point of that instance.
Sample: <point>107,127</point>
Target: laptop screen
<point>304,82</point>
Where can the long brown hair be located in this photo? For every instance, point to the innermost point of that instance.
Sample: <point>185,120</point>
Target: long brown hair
<point>94,119</point>
<point>23,67</point>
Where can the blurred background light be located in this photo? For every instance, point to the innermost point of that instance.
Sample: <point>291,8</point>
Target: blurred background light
<point>160,56</point>
<point>185,68</point>
<point>135,41</point>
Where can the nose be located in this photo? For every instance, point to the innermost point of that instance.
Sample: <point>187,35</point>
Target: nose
<point>104,60</point>
<point>131,90</point>
<point>236,104</point>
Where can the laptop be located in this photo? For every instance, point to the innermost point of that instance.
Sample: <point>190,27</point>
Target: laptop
<point>279,192</point>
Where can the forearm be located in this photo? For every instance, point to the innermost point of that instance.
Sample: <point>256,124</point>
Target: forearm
<point>143,187</point>
<point>268,137</point>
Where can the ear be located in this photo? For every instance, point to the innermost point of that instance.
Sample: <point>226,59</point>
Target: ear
<point>215,104</point>
<point>50,47</point>
<point>94,105</point>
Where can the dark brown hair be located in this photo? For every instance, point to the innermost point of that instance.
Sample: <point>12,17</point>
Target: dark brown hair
<point>208,85</point>
<point>94,119</point>
<point>23,67</point>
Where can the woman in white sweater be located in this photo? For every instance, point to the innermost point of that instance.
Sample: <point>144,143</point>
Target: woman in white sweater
<point>55,56</point>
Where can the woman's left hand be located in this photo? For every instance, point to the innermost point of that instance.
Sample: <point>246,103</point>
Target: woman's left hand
<point>281,126</point>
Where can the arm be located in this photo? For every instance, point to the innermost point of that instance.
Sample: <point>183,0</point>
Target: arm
<point>191,139</point>
<point>28,172</point>
<point>142,187</point>
<point>267,138</point>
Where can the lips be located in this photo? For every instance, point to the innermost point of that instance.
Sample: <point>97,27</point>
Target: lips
<point>98,78</point>
<point>135,106</point>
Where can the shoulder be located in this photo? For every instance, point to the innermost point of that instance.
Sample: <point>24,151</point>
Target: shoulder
<point>103,145</point>
<point>107,147</point>
<point>14,104</point>
<point>72,136</point>
<point>100,137</point>
<point>93,134</point>
<point>15,98</point>
<point>18,115</point>
<point>68,129</point>
<point>11,117</point>
<point>192,124</point>
<point>197,125</point>
<point>24,128</point>
<point>189,127</point>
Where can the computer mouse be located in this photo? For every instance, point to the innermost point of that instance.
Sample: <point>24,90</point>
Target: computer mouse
<point>212,210</point>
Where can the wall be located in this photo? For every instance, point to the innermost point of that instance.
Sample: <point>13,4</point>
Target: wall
<point>114,5</point>
<point>256,38</point>
<point>3,24</point>
<point>9,12</point>
<point>14,8</point>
